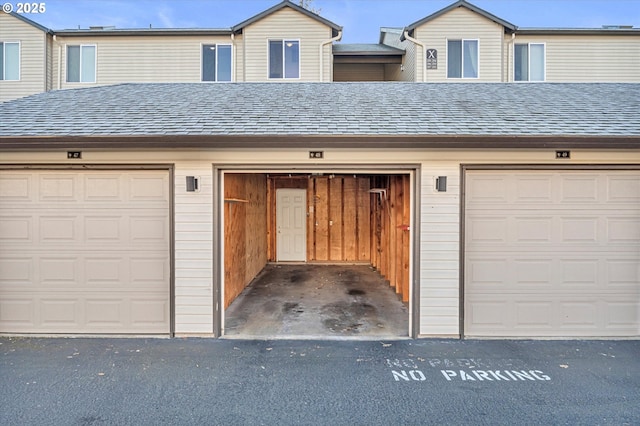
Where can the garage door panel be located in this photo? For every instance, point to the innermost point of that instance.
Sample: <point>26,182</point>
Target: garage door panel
<point>532,316</point>
<point>16,187</point>
<point>566,268</point>
<point>84,247</point>
<point>16,228</point>
<point>623,190</point>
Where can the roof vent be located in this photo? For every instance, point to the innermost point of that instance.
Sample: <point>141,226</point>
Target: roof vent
<point>102,28</point>
<point>617,27</point>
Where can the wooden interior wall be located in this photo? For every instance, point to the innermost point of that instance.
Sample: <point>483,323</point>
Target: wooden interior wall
<point>245,231</point>
<point>390,218</point>
<point>338,217</point>
<point>353,218</point>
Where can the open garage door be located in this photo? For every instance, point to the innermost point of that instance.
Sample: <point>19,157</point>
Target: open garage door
<point>552,253</point>
<point>348,226</point>
<point>85,251</point>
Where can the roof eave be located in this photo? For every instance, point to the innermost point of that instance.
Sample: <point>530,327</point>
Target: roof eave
<point>577,31</point>
<point>32,23</point>
<point>145,32</point>
<point>508,26</point>
<point>114,142</point>
<point>286,3</point>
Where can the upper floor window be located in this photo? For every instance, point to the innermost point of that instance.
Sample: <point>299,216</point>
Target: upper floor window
<point>284,59</point>
<point>9,60</point>
<point>462,59</point>
<point>529,62</point>
<point>81,64</point>
<point>216,62</point>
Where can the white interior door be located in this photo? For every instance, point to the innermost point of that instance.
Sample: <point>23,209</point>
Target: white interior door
<point>291,220</point>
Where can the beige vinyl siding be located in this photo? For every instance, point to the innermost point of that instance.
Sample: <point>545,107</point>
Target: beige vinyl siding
<point>458,24</point>
<point>393,71</point>
<point>140,59</point>
<point>287,24</point>
<point>32,58</point>
<point>589,58</point>
<point>238,58</point>
<point>439,251</point>
<point>193,250</point>
<point>358,72</point>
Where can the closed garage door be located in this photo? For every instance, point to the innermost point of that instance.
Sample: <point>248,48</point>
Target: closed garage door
<point>84,251</point>
<point>552,253</point>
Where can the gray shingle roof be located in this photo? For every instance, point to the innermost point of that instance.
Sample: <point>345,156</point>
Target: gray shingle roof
<point>335,110</point>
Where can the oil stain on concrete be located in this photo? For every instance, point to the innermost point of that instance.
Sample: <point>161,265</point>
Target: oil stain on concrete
<point>317,301</point>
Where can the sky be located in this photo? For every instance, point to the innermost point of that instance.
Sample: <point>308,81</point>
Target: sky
<point>361,19</point>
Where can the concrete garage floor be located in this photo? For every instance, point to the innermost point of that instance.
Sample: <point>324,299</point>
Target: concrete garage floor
<point>317,301</point>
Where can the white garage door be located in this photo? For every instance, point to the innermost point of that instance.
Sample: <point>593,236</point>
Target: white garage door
<point>84,251</point>
<point>552,253</point>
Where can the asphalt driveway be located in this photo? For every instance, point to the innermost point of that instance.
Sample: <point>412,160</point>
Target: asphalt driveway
<point>65,381</point>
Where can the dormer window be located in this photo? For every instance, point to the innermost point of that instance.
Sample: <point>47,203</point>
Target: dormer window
<point>284,59</point>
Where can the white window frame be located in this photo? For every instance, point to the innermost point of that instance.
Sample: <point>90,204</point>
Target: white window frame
<point>202,80</point>
<point>4,60</point>
<point>284,40</point>
<point>544,68</point>
<point>95,65</point>
<point>462,77</point>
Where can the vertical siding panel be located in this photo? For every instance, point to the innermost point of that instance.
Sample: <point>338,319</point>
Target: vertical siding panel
<point>194,250</point>
<point>335,218</point>
<point>350,230</point>
<point>439,251</point>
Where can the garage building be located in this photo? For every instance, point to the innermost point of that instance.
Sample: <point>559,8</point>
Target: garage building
<point>492,210</point>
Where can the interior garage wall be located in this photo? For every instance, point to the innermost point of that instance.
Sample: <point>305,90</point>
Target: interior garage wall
<point>338,216</point>
<point>390,230</point>
<point>353,219</point>
<point>245,231</point>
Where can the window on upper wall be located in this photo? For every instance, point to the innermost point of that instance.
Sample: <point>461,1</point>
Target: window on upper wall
<point>81,64</point>
<point>216,62</point>
<point>529,63</point>
<point>284,59</point>
<point>9,60</point>
<point>462,59</point>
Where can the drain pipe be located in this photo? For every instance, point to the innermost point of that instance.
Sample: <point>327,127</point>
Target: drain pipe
<point>322,45</point>
<point>511,58</point>
<point>424,49</point>
<point>59,73</point>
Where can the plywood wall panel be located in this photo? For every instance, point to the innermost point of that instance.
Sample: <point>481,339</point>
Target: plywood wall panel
<point>335,218</point>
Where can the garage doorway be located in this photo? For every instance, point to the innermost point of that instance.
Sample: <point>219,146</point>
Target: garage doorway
<point>356,225</point>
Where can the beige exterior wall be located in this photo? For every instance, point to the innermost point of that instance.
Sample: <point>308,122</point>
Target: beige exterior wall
<point>588,58</point>
<point>137,59</point>
<point>408,71</point>
<point>32,58</point>
<point>439,253</point>
<point>459,24</point>
<point>287,24</point>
